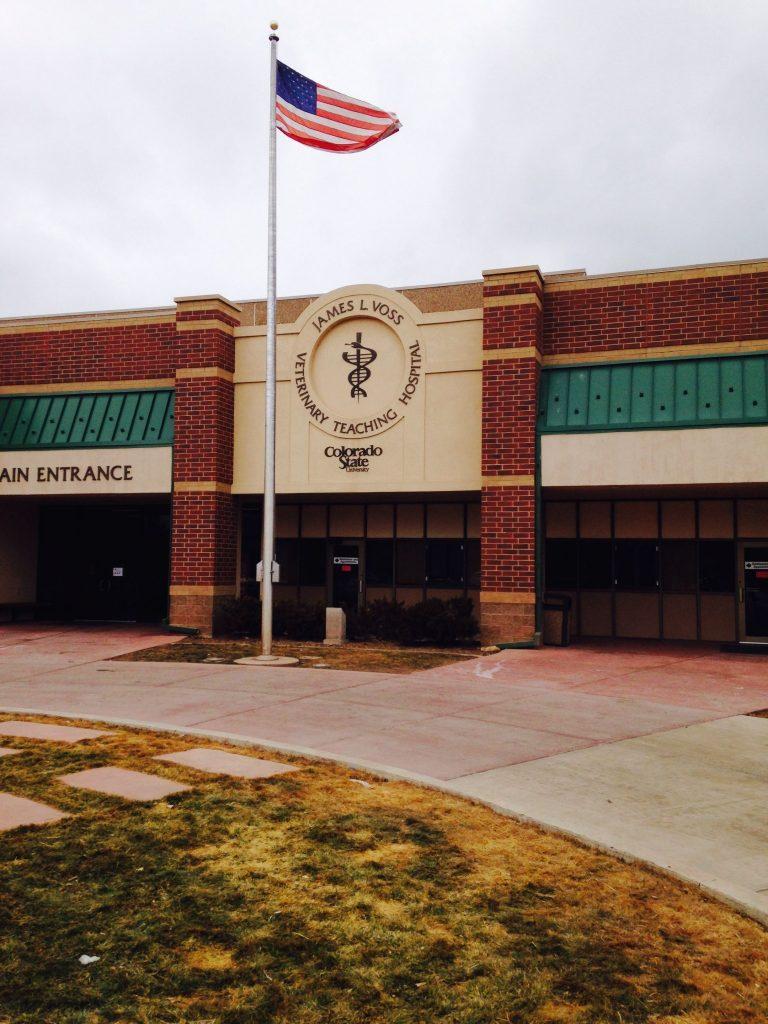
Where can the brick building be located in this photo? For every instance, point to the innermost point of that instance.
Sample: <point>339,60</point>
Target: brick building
<point>602,436</point>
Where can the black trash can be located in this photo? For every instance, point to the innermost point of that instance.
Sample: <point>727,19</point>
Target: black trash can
<point>556,627</point>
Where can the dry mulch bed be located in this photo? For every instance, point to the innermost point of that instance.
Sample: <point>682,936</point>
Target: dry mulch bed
<point>379,657</point>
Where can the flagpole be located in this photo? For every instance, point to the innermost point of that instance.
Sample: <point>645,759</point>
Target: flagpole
<point>268,541</point>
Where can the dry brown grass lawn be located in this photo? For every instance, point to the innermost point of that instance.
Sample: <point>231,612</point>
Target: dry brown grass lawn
<point>310,899</point>
<point>379,657</point>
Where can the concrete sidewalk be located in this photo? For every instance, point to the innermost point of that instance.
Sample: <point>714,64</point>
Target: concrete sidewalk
<point>642,748</point>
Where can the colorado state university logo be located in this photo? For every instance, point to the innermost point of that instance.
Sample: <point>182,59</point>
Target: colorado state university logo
<point>358,365</point>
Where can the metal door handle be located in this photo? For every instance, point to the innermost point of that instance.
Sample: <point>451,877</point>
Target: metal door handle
<point>741,593</point>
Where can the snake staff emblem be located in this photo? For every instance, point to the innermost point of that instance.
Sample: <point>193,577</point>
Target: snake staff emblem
<point>360,358</point>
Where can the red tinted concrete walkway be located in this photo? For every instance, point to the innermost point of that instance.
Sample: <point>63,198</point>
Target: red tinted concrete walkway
<point>618,744</point>
<point>39,644</point>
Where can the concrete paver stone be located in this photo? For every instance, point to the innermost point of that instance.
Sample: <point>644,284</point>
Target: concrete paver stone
<point>43,731</point>
<point>123,782</point>
<point>222,762</point>
<point>16,811</point>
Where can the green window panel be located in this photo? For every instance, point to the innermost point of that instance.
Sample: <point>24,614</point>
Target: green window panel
<point>732,390</point>
<point>685,391</point>
<point>641,386</point>
<point>756,392</point>
<point>578,399</point>
<point>599,396</point>
<point>664,397</point>
<point>710,391</point>
<point>104,419</point>
<point>554,397</point>
<point>621,397</point>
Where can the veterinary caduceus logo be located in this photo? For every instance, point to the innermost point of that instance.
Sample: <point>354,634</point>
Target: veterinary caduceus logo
<point>360,359</point>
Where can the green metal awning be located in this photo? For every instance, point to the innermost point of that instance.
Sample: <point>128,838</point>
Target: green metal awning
<point>96,419</point>
<point>705,392</point>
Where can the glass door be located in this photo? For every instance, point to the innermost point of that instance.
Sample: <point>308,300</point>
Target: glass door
<point>753,590</point>
<point>345,574</point>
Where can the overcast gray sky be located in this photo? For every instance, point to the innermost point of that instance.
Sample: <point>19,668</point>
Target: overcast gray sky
<point>606,134</point>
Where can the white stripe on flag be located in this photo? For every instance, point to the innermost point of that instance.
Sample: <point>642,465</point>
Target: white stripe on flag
<point>288,109</point>
<point>300,129</point>
<point>331,94</point>
<point>333,135</point>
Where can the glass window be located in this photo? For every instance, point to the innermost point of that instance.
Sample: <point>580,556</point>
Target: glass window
<point>287,557</point>
<point>379,559</point>
<point>636,565</point>
<point>561,563</point>
<point>312,563</point>
<point>445,562</point>
<point>473,564</point>
<point>595,571</point>
<point>678,566</point>
<point>250,548</point>
<point>717,566</point>
<point>410,562</point>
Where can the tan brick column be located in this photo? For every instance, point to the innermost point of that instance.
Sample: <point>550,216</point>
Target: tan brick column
<point>512,348</point>
<point>204,538</point>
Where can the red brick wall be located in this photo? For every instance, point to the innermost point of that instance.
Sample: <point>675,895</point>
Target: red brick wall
<point>510,390</point>
<point>82,354</point>
<point>205,425</point>
<point>512,320</point>
<point>648,313</point>
<point>204,540</point>
<point>508,539</point>
<point>210,346</point>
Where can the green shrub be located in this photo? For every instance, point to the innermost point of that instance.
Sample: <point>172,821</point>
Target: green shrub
<point>379,620</point>
<point>295,620</point>
<point>238,616</point>
<point>434,621</point>
<point>439,622</point>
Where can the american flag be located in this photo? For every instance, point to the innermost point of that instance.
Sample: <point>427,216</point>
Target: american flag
<point>320,117</point>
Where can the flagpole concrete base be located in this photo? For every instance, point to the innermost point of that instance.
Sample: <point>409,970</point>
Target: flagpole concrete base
<point>268,661</point>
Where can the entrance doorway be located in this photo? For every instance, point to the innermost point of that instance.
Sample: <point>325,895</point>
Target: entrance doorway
<point>102,563</point>
<point>753,590</point>
<point>346,578</point>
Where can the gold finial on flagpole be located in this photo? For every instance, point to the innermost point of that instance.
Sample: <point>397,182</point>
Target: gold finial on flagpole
<point>274,26</point>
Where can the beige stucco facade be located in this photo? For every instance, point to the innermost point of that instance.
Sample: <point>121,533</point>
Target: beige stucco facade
<point>86,471</point>
<point>649,458</point>
<point>372,396</point>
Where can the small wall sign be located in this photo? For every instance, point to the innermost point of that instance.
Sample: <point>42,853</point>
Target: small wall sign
<point>353,460</point>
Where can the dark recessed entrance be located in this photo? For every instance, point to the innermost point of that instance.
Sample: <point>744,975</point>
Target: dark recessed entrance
<point>103,563</point>
<point>754,590</point>
<point>345,572</point>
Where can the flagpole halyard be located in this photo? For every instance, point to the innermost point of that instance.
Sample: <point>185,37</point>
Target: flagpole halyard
<point>268,536</point>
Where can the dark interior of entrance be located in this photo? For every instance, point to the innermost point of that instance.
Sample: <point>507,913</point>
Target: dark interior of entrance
<point>346,575</point>
<point>674,568</point>
<point>755,558</point>
<point>104,563</point>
